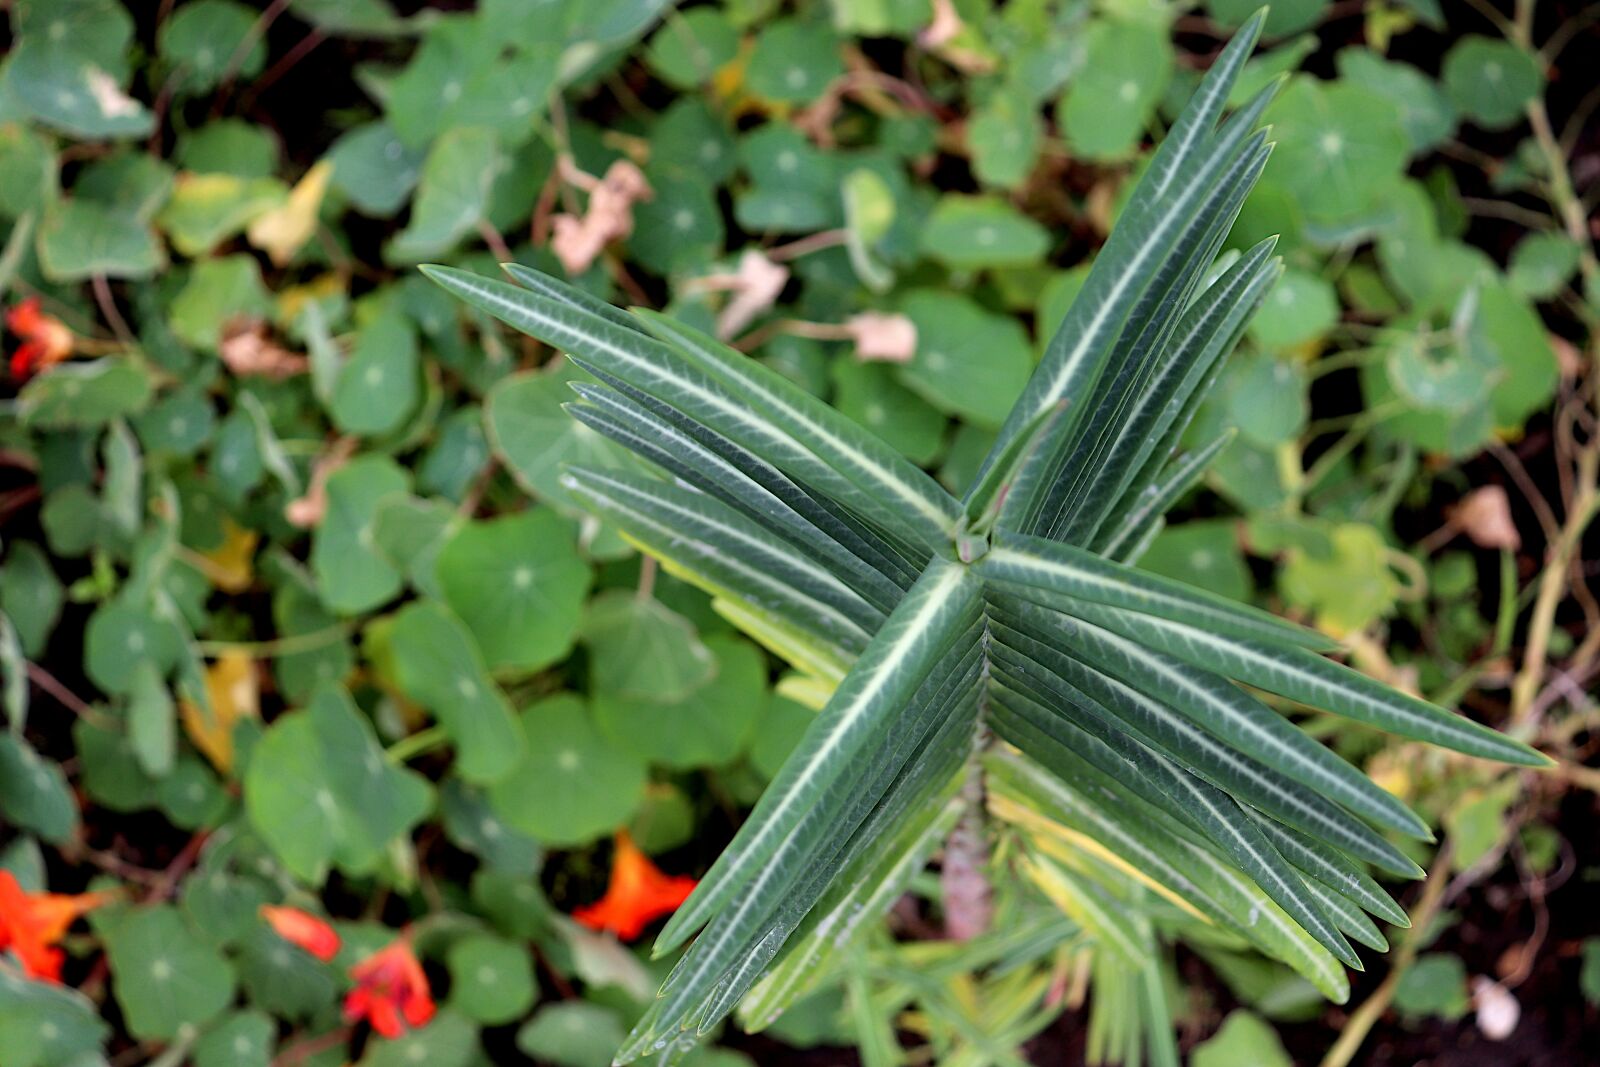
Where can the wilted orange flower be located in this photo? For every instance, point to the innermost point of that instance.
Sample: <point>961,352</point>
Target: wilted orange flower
<point>32,923</point>
<point>638,893</point>
<point>303,929</point>
<point>45,339</point>
<point>391,991</point>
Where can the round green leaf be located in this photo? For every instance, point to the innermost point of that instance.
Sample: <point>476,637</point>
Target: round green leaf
<point>793,61</point>
<point>641,649</point>
<point>201,39</point>
<point>439,665</point>
<point>572,785</point>
<point>519,584</point>
<point>692,46</point>
<point>165,977</point>
<point>1491,81</point>
<point>1300,307</point>
<point>491,980</point>
<point>352,577</point>
<point>969,363</point>
<point>708,727</point>
<point>972,232</point>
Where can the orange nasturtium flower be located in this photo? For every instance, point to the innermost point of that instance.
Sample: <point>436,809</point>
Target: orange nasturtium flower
<point>45,339</point>
<point>391,990</point>
<point>31,924</point>
<point>303,929</point>
<point>637,894</point>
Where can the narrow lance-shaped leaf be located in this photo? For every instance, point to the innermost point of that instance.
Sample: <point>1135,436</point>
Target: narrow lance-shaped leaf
<point>1306,677</point>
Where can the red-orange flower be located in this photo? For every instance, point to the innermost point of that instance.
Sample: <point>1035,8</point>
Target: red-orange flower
<point>391,991</point>
<point>45,339</point>
<point>31,924</point>
<point>637,894</point>
<point>303,929</point>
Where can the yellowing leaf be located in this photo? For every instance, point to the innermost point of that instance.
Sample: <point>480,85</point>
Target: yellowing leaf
<point>231,563</point>
<point>281,232</point>
<point>235,694</point>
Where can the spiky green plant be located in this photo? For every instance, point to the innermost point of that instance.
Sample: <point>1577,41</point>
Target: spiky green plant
<point>1011,613</point>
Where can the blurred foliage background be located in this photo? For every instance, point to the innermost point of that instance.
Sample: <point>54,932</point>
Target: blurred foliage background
<point>294,610</point>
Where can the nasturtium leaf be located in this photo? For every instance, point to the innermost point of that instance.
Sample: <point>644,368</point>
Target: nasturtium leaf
<point>34,794</point>
<point>351,576</point>
<point>572,1033</point>
<point>321,655</point>
<point>1242,1038</point>
<point>538,440</point>
<point>449,1040</point>
<point>794,184</point>
<point>1003,137</point>
<point>236,457</point>
<point>1300,307</point>
<point>518,583</point>
<point>452,195</point>
<point>1341,147</point>
<point>380,383</point>
<point>707,727</point>
<point>691,46</point>
<point>491,980</point>
<point>870,394</point>
<point>78,94</point>
<point>1542,264</point>
<point>47,1025</point>
<point>280,979</point>
<point>440,667</point>
<point>242,1039</point>
<point>693,142</point>
<point>461,78</point>
<point>321,793</point>
<point>641,649</point>
<point>1112,96</point>
<point>513,902</point>
<point>110,773</point>
<point>207,40</point>
<point>1248,475</point>
<point>207,209</point>
<point>793,61</point>
<point>80,239</point>
<point>1347,588</point>
<point>192,796</point>
<point>375,169</point>
<point>32,595</point>
<point>1477,823</point>
<point>409,532</point>
<point>1204,553</point>
<point>1291,16</point>
<point>152,720</point>
<point>119,637</point>
<point>1453,374</point>
<point>27,171</point>
<point>228,146</point>
<point>165,977</point>
<point>179,424</point>
<point>972,232</point>
<point>572,785</point>
<point>969,362</point>
<point>680,227</point>
<point>457,455</point>
<point>1436,984</point>
<point>664,821</point>
<point>1505,325</point>
<point>218,291</point>
<point>1491,81</point>
<point>1426,113</point>
<point>1266,397</point>
<point>472,824</point>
